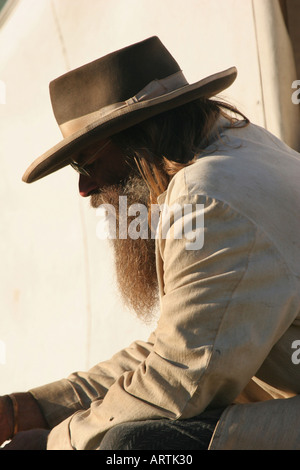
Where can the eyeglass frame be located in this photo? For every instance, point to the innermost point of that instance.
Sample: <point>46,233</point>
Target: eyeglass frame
<point>81,169</point>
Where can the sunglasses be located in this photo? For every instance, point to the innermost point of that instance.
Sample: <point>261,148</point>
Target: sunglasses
<point>86,168</point>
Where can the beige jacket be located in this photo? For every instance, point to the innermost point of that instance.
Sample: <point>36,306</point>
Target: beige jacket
<point>229,318</point>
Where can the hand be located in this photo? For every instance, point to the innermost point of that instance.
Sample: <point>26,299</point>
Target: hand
<point>6,419</point>
<point>29,416</point>
<point>35,439</point>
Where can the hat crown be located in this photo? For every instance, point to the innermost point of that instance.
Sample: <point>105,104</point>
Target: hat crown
<point>113,78</point>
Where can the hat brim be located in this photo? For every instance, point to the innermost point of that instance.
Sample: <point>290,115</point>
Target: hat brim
<point>61,154</point>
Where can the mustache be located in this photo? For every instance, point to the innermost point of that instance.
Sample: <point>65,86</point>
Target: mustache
<point>133,187</point>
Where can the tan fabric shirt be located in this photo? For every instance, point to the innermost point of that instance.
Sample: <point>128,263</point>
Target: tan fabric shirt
<point>229,312</point>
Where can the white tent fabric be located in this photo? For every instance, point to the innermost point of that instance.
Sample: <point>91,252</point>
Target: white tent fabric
<point>278,71</point>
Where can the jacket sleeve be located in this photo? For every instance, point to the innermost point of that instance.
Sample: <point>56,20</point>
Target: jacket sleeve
<point>60,399</point>
<point>222,309</point>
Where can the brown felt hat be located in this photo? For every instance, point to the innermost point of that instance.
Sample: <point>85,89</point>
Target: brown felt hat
<point>115,92</point>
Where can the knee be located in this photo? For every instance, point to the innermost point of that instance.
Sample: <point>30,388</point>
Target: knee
<point>126,436</point>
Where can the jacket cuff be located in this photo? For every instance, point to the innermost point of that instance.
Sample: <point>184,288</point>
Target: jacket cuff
<point>57,400</point>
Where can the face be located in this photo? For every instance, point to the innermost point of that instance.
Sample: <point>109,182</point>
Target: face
<point>110,177</point>
<point>103,164</point>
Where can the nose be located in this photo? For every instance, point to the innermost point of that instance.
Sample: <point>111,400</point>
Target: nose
<point>86,185</point>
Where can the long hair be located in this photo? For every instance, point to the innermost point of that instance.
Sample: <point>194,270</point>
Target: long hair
<point>166,143</point>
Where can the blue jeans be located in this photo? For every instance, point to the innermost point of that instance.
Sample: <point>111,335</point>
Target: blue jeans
<point>163,434</point>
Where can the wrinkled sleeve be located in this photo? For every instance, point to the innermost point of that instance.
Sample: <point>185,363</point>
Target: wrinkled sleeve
<point>222,309</point>
<point>60,399</point>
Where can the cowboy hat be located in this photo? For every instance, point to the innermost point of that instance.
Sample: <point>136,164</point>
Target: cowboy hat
<point>115,92</point>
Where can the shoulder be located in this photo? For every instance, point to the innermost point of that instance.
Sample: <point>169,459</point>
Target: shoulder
<point>213,171</point>
<point>257,176</point>
<point>240,167</point>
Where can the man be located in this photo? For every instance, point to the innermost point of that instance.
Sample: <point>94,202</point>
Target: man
<point>218,371</point>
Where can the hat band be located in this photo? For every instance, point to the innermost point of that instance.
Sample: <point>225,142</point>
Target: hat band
<point>154,89</point>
